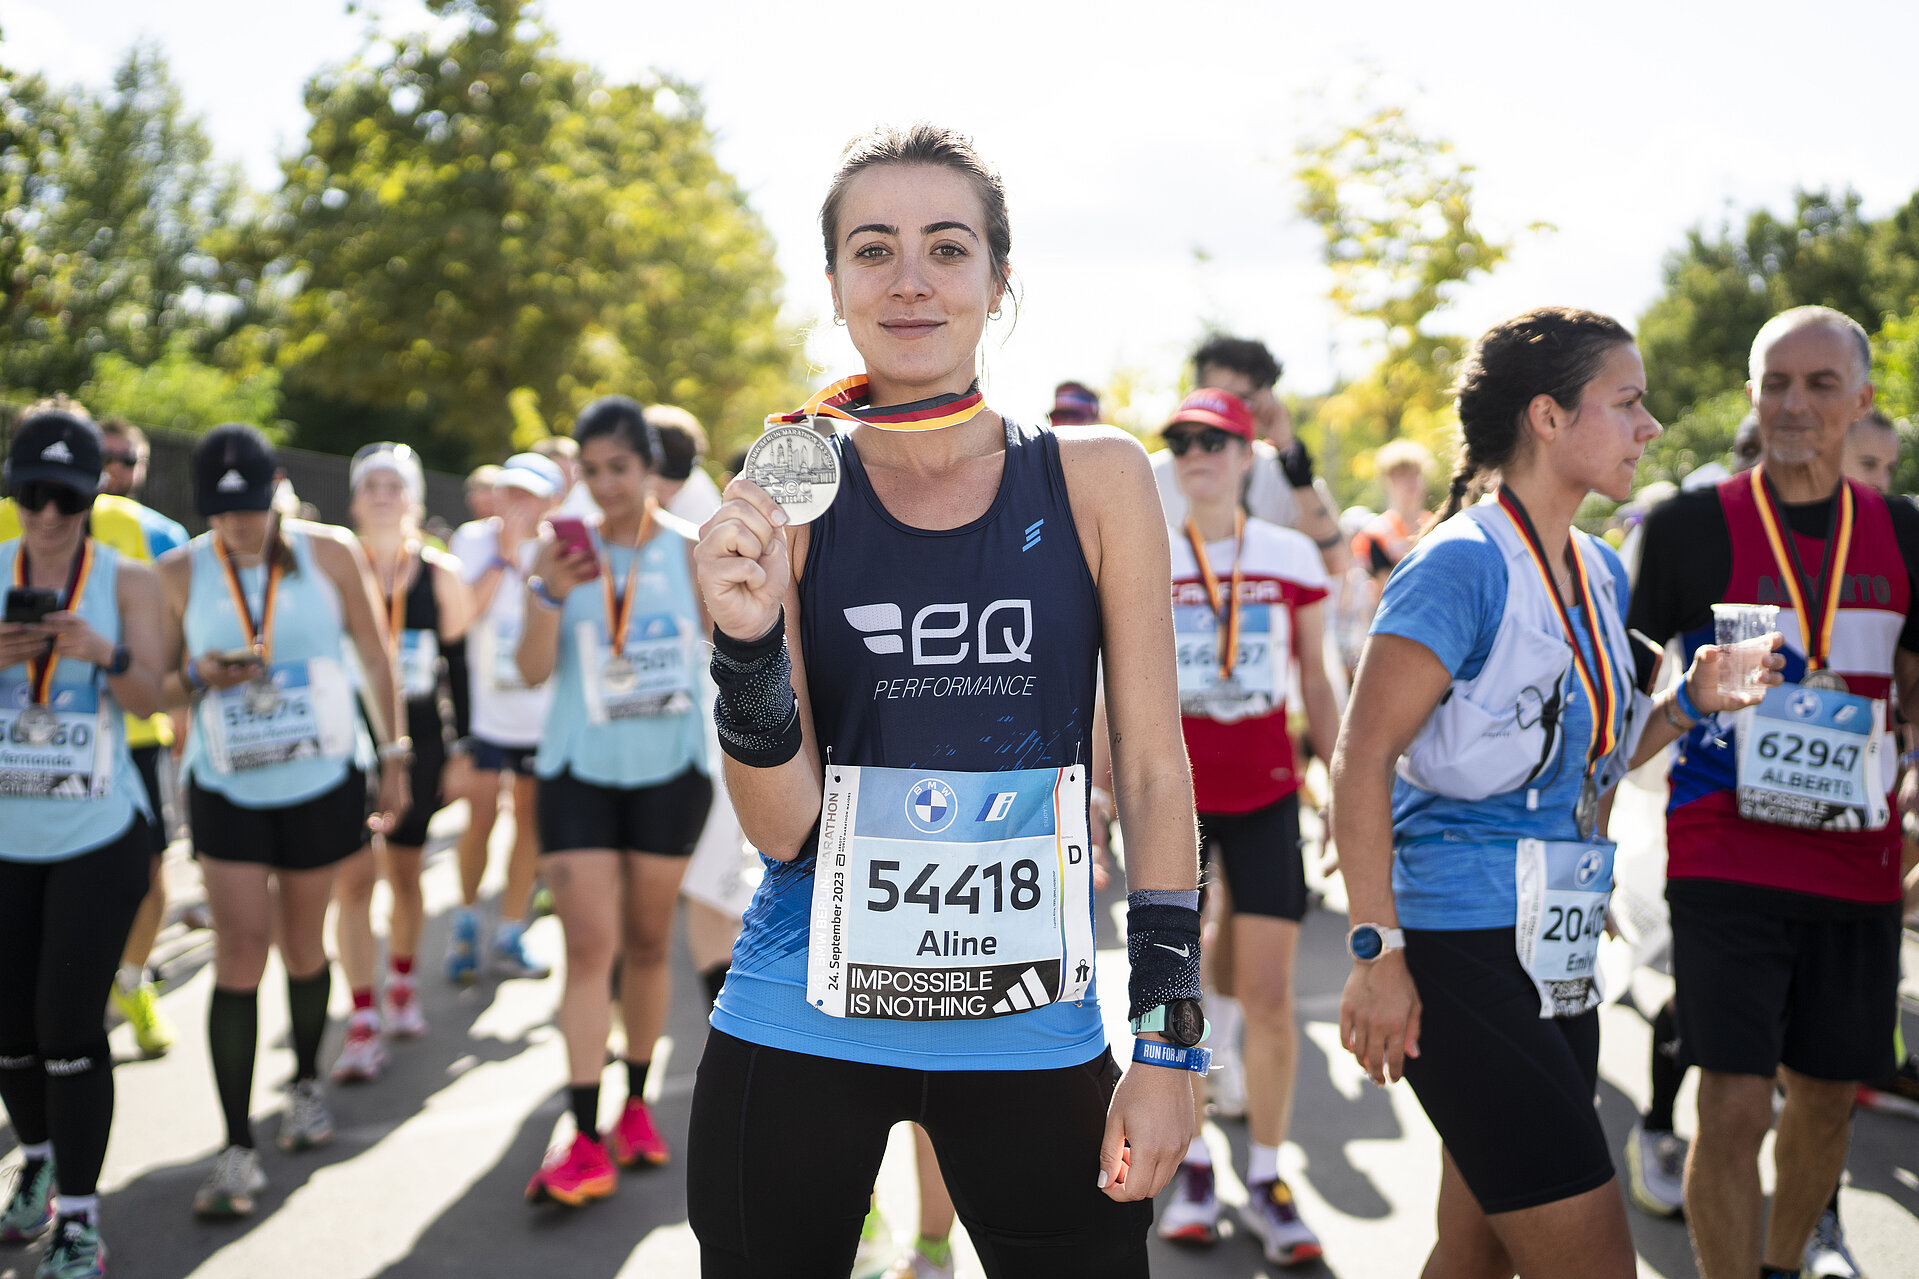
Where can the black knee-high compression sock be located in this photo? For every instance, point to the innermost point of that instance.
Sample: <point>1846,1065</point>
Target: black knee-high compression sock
<point>23,1090</point>
<point>636,1072</point>
<point>585,1100</point>
<point>233,1033</point>
<point>306,1010</point>
<point>1668,1071</point>
<point>80,1114</point>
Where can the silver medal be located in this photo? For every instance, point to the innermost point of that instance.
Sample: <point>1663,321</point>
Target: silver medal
<point>1823,679</point>
<point>37,724</point>
<point>262,696</point>
<point>1586,814</point>
<point>619,675</point>
<point>795,465</point>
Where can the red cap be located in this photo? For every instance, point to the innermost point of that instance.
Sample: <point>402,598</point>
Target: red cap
<point>1210,406</point>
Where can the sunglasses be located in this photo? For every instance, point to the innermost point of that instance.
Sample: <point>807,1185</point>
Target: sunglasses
<point>111,458</point>
<point>1210,440</point>
<point>35,494</point>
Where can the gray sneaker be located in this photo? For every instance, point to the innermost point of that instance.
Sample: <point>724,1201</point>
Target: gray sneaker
<point>307,1122</point>
<point>29,1211</point>
<point>1656,1172</point>
<point>1274,1217</point>
<point>1827,1256</point>
<point>229,1189</point>
<point>75,1253</point>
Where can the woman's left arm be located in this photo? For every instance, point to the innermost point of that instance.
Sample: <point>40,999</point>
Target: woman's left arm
<point>337,553</point>
<point>1109,483</point>
<point>450,595</point>
<point>143,631</point>
<point>1315,685</point>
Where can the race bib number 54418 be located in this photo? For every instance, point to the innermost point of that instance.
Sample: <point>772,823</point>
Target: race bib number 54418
<point>950,896</point>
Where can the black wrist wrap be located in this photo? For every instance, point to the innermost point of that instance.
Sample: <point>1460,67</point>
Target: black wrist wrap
<point>1162,943</point>
<point>757,716</point>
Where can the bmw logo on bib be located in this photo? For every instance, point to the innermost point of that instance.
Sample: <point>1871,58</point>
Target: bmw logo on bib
<point>1589,867</point>
<point>930,805</point>
<point>1803,704</point>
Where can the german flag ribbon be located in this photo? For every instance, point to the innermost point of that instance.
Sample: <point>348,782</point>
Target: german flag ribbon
<point>1821,588</point>
<point>40,670</point>
<point>848,399</point>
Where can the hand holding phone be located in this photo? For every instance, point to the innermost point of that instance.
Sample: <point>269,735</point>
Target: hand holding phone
<point>571,536</point>
<point>29,606</point>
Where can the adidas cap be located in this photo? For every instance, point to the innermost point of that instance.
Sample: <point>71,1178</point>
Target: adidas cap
<point>56,447</point>
<point>233,470</point>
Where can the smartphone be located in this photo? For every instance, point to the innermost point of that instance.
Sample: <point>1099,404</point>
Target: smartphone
<point>571,533</point>
<point>27,605</point>
<point>240,657</point>
<point>1648,659</point>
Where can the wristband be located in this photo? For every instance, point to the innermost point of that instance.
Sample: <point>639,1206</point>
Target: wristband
<point>1297,465</point>
<point>398,748</point>
<point>1154,1053</point>
<point>194,682</point>
<point>1909,760</point>
<point>543,597</point>
<point>1162,943</point>
<point>122,660</point>
<point>756,712</point>
<point>1683,700</point>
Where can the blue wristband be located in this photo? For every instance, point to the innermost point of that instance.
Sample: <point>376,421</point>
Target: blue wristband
<point>1172,1056</point>
<point>1684,702</point>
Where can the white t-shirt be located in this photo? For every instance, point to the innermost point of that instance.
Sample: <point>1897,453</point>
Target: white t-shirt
<point>505,711</point>
<point>697,499</point>
<point>1269,496</point>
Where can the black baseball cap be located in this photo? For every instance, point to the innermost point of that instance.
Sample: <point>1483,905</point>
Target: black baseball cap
<point>233,470</point>
<point>55,447</point>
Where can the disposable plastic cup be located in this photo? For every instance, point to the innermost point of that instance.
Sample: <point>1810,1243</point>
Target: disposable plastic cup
<point>1745,632</point>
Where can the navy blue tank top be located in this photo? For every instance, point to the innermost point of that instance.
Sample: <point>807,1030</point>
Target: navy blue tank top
<point>971,649</point>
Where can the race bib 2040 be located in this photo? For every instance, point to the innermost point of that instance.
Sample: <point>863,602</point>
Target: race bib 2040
<point>946,896</point>
<point>1809,757</point>
<point>1564,889</point>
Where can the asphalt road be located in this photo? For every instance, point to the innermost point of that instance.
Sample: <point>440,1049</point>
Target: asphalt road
<point>426,1175</point>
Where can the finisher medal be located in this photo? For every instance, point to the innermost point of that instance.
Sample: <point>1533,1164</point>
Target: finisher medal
<point>262,696</point>
<point>1586,814</point>
<point>1823,678</point>
<point>37,724</point>
<point>619,675</point>
<point>795,465</point>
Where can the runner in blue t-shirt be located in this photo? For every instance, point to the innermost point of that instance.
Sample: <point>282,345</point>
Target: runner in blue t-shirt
<point>1498,701</point>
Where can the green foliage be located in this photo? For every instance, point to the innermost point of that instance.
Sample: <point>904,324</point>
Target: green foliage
<point>1702,433</point>
<point>1895,376</point>
<point>1395,211</point>
<point>478,217</point>
<point>106,202</point>
<point>181,392</point>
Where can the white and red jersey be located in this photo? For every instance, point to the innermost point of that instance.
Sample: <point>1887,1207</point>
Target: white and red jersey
<point>1234,720</point>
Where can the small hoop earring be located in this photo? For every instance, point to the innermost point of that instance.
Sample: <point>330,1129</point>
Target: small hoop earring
<point>839,319</point>
<point>993,314</point>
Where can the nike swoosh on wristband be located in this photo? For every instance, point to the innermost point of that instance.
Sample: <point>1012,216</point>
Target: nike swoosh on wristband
<point>1184,952</point>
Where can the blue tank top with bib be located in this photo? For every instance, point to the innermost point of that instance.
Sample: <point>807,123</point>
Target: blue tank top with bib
<point>636,720</point>
<point>291,736</point>
<point>954,670</point>
<point>70,788</point>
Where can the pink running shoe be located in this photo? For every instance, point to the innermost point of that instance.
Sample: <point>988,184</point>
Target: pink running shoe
<point>574,1174</point>
<point>634,1140</point>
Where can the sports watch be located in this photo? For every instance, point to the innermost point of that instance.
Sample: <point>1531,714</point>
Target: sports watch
<point>1367,942</point>
<point>1180,1020</point>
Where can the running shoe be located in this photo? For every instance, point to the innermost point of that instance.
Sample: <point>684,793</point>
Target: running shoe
<point>307,1122</point>
<point>1827,1256</point>
<point>634,1140</point>
<point>363,1055</point>
<point>1226,1083</point>
<point>1192,1214</point>
<point>914,1264</point>
<point>75,1253</point>
<point>876,1251</point>
<point>1274,1217</point>
<point>508,959</point>
<point>1656,1172</point>
<point>1897,1094</point>
<point>141,1007</point>
<point>542,903</point>
<point>400,1011</point>
<point>229,1189</point>
<point>463,947</point>
<point>573,1174</point>
<point>29,1211</point>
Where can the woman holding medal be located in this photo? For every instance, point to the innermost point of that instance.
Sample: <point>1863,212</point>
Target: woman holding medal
<point>79,646</point>
<point>1500,683</point>
<point>624,780</point>
<point>1247,610</point>
<point>906,702</point>
<point>425,609</point>
<point>275,768</point>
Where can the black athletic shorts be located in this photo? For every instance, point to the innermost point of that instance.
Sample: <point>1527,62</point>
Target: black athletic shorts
<point>1510,1093</point>
<point>1259,853</point>
<point>491,757</point>
<point>783,1148</point>
<point>304,836</point>
<point>664,818</point>
<point>147,760</point>
<point>1763,977</point>
<point>429,758</point>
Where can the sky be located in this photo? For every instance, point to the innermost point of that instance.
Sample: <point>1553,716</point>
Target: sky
<point>1147,157</point>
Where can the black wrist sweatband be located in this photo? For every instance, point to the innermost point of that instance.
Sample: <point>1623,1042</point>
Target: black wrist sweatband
<point>1297,465</point>
<point>1162,944</point>
<point>756,713</point>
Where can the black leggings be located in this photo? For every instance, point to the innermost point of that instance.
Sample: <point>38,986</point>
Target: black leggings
<point>63,925</point>
<point>784,1147</point>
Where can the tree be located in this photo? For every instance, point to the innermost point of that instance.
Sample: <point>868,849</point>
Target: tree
<point>109,203</point>
<point>479,226</point>
<point>182,392</point>
<point>1395,210</point>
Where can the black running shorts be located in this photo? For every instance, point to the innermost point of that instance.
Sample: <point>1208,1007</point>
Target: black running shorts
<point>304,836</point>
<point>429,758</point>
<point>664,818</point>
<point>1511,1093</point>
<point>1259,854</point>
<point>1765,977</point>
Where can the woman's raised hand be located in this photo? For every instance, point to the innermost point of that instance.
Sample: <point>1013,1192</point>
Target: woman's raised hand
<point>742,561</point>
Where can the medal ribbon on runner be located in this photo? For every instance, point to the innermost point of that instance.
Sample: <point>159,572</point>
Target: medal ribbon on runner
<point>396,598</point>
<point>40,669</point>
<point>1229,619</point>
<point>1816,629</point>
<point>849,399</point>
<point>1601,692</point>
<point>259,634</point>
<point>619,608</point>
